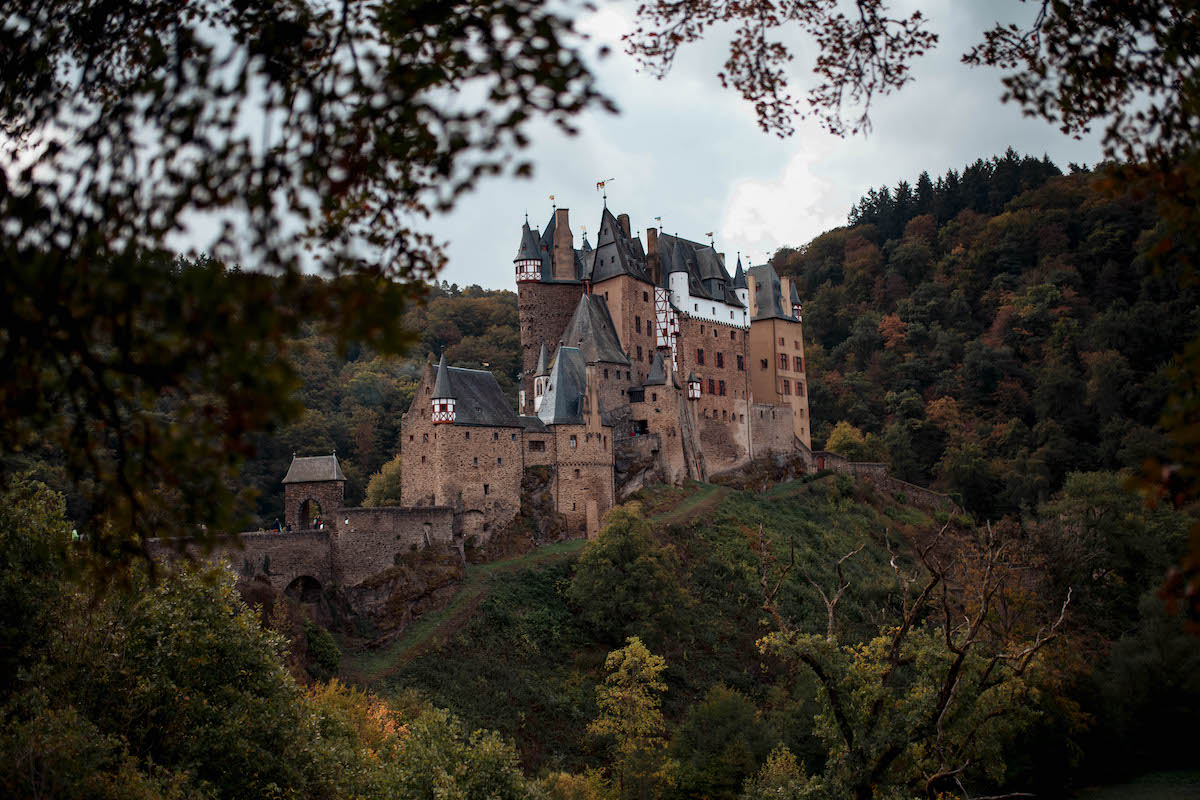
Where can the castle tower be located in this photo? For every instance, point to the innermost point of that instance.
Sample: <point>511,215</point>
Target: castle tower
<point>795,298</point>
<point>740,287</point>
<point>541,377</point>
<point>529,257</point>
<point>314,492</point>
<point>443,396</point>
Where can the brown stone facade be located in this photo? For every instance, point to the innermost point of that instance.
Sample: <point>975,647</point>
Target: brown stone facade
<point>544,309</point>
<point>306,503</point>
<point>631,305</point>
<point>473,469</point>
<point>718,354</point>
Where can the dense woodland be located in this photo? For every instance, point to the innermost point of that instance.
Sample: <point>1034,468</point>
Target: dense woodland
<point>994,330</point>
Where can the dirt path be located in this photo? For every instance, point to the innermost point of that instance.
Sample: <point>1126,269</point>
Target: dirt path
<point>699,503</point>
<point>437,627</point>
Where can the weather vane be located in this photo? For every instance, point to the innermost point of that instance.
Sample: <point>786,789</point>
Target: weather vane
<point>552,203</point>
<point>600,187</point>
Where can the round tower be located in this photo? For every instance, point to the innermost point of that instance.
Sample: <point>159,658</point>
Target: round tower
<point>528,261</point>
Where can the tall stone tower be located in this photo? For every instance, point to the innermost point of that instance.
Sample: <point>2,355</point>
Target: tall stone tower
<point>548,289</point>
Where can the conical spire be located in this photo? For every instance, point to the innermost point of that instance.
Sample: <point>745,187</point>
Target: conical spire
<point>795,298</point>
<point>739,277</point>
<point>658,372</point>
<point>529,248</point>
<point>441,387</point>
<point>543,363</point>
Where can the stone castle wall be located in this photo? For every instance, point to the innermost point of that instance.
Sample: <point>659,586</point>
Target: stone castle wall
<point>773,431</point>
<point>369,540</point>
<point>721,420</point>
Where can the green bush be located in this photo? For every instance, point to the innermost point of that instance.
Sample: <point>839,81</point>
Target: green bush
<point>322,648</point>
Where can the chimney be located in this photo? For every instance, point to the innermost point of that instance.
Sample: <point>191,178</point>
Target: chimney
<point>624,220</point>
<point>753,295</point>
<point>564,246</point>
<point>652,260</point>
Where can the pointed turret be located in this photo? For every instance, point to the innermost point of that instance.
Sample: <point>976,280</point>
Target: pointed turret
<point>795,299</point>
<point>541,379</point>
<point>693,386</point>
<point>528,260</point>
<point>739,277</point>
<point>443,395</point>
<point>658,372</point>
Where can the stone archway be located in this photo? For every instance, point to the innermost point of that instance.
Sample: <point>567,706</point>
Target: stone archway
<point>305,589</point>
<point>310,512</point>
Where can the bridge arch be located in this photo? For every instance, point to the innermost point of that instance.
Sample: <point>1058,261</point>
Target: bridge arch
<point>305,589</point>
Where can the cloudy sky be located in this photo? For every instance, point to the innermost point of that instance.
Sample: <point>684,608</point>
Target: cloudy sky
<point>685,150</point>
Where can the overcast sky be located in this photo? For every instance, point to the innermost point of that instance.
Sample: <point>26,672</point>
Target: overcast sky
<point>685,150</point>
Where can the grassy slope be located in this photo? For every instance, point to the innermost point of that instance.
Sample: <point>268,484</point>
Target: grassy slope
<point>522,662</point>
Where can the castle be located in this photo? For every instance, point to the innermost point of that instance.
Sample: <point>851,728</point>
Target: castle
<point>648,356</point>
<point>642,363</point>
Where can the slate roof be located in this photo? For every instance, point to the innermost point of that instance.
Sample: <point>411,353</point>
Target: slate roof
<point>441,386</point>
<point>592,331</point>
<point>543,367</point>
<point>795,298</point>
<point>768,294</point>
<point>532,424</point>
<point>739,277</point>
<point>563,401</point>
<point>658,372</point>
<point>707,277</point>
<point>477,396</point>
<point>615,253</point>
<point>310,469</point>
<point>530,246</point>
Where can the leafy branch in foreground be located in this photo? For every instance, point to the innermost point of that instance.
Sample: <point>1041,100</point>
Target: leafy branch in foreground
<point>927,705</point>
<point>311,136</point>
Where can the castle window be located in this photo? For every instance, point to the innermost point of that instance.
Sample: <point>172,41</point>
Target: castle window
<point>695,306</point>
<point>654,397</point>
<point>637,324</point>
<point>741,363</point>
<point>626,374</point>
<point>605,442</point>
<point>513,437</point>
<point>800,388</point>
<point>714,333</point>
<point>787,386</point>
<point>639,358</point>
<point>645,297</point>
<point>499,461</point>
<point>606,293</point>
<point>537,447</point>
<point>732,335</point>
<point>711,386</point>
<point>574,441</point>
<point>699,357</point>
<point>721,388</point>
<point>714,310</point>
<point>576,473</point>
<point>486,489</point>
<point>426,437</point>
<point>781,341</point>
<point>731,314</point>
<point>764,364</point>
<point>476,461</point>
<point>572,506</point>
<point>468,436</point>
<point>422,459</point>
<point>495,436</point>
<point>606,373</point>
<point>783,361</point>
<point>798,366</point>
<point>410,437</point>
<point>720,359</point>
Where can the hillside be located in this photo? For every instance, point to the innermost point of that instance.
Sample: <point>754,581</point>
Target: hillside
<point>993,330</point>
<point>524,652</point>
